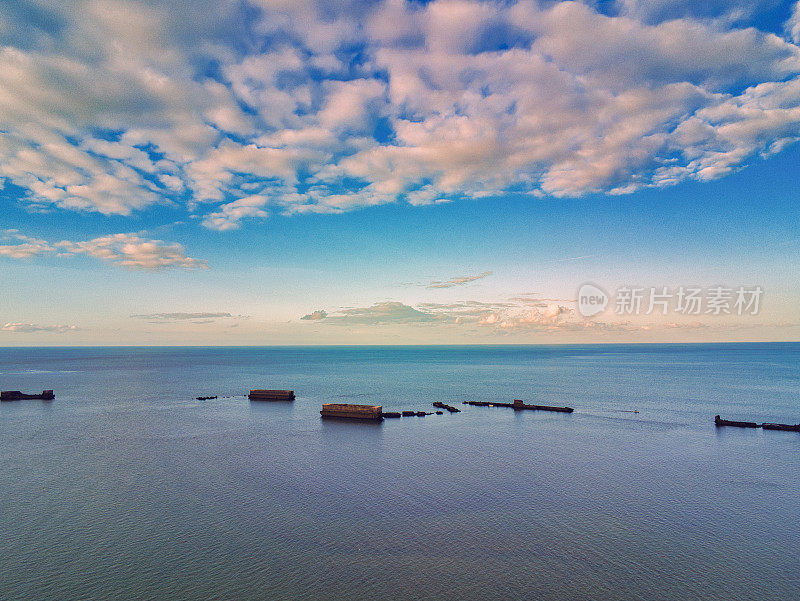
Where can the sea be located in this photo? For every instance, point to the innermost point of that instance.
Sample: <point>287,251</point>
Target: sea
<point>126,487</point>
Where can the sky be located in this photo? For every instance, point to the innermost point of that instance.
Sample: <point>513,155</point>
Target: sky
<point>259,172</point>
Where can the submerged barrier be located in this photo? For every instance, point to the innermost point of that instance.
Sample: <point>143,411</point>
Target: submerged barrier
<point>271,395</point>
<point>784,427</point>
<point>16,395</point>
<point>518,405</point>
<point>375,412</point>
<point>718,421</point>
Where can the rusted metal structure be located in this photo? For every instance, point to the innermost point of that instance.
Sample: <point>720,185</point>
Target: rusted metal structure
<point>16,395</point>
<point>271,395</point>
<point>783,427</point>
<point>718,421</point>
<point>348,411</point>
<point>518,405</point>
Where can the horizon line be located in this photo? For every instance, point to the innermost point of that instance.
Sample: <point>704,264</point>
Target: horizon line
<point>454,345</point>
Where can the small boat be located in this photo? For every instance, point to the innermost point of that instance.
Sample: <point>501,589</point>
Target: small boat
<point>16,395</point>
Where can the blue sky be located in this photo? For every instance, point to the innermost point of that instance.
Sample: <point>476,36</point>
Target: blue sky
<point>271,172</point>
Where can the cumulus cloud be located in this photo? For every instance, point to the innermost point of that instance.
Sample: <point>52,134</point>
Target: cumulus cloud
<point>24,247</point>
<point>459,281</point>
<point>235,112</point>
<point>384,313</point>
<point>387,312</point>
<point>518,315</point>
<point>793,25</point>
<point>315,315</point>
<point>125,250</point>
<point>129,250</point>
<point>230,215</point>
<point>503,315</point>
<point>29,328</point>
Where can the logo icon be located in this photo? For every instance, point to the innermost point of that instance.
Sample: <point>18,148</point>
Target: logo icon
<point>591,300</point>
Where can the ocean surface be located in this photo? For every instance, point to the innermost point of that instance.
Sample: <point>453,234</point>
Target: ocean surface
<point>126,488</point>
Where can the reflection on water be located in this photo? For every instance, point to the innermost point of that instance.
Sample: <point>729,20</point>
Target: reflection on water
<point>126,487</point>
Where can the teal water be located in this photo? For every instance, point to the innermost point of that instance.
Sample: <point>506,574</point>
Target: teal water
<point>126,488</point>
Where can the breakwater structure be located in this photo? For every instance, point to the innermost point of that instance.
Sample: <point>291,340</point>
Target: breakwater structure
<point>348,411</point>
<point>16,395</point>
<point>271,395</point>
<point>784,427</point>
<point>415,413</point>
<point>397,414</point>
<point>206,398</point>
<point>449,408</point>
<point>518,405</point>
<point>719,422</point>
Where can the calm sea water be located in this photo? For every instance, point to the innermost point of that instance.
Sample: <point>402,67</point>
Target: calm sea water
<point>126,488</point>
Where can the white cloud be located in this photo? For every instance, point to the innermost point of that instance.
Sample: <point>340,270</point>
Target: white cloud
<point>25,247</point>
<point>129,250</point>
<point>125,250</point>
<point>500,317</point>
<point>793,25</point>
<point>327,107</point>
<point>29,328</point>
<point>489,319</point>
<point>347,104</point>
<point>517,316</point>
<point>230,215</point>
<point>383,313</point>
<point>459,281</point>
<point>164,317</point>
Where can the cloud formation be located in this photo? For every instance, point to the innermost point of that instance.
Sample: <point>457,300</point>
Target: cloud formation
<point>125,250</point>
<point>387,312</point>
<point>164,317</point>
<point>129,250</point>
<point>25,247</point>
<point>238,109</point>
<point>315,315</point>
<point>519,315</point>
<point>505,315</point>
<point>29,328</point>
<point>459,281</point>
<point>383,313</point>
